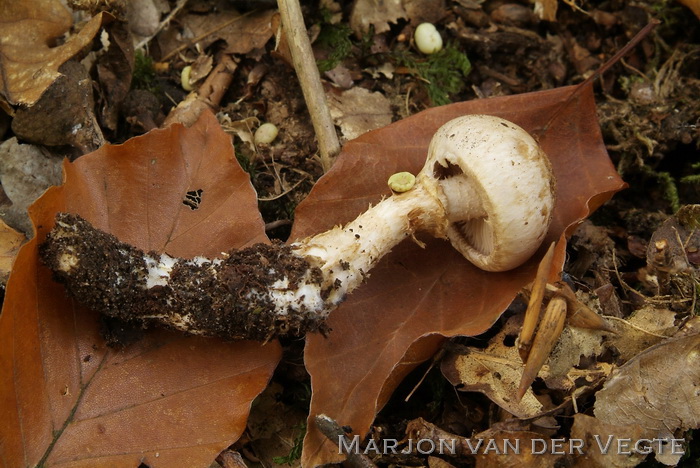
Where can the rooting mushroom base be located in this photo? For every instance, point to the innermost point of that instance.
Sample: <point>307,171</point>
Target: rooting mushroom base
<point>233,298</point>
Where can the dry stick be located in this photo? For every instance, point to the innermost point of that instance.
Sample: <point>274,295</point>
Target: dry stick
<point>310,80</point>
<point>333,432</point>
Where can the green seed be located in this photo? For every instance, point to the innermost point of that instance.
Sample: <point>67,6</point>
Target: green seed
<point>402,182</point>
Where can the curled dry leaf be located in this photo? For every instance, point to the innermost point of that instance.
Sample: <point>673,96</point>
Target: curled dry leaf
<point>115,69</point>
<point>167,400</point>
<point>657,389</point>
<point>28,60</point>
<point>415,296</point>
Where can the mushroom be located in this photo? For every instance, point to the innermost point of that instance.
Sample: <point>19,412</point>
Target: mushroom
<point>486,186</point>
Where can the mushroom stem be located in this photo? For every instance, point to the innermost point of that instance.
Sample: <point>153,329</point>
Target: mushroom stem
<point>345,255</point>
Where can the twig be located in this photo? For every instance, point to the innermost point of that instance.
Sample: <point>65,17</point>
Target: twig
<point>275,224</point>
<point>333,432</point>
<point>310,80</point>
<point>180,5</point>
<point>631,325</point>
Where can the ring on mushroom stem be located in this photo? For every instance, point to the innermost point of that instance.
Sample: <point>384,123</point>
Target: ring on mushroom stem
<point>486,186</point>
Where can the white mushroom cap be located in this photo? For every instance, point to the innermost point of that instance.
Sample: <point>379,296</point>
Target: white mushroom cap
<point>496,186</point>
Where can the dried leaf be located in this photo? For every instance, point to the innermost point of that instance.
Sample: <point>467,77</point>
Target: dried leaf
<point>644,328</point>
<point>242,33</point>
<point>357,111</point>
<point>495,372</point>
<point>534,451</point>
<point>64,113</point>
<point>115,69</point>
<point>167,400</point>
<point>604,444</point>
<point>657,389</point>
<point>377,13</point>
<point>28,61</point>
<point>10,241</point>
<point>25,172</point>
<point>415,297</point>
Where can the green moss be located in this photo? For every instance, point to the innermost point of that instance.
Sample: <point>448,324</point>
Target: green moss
<point>692,178</point>
<point>336,39</point>
<point>670,191</point>
<point>244,161</point>
<point>442,73</point>
<point>144,76</point>
<point>295,453</point>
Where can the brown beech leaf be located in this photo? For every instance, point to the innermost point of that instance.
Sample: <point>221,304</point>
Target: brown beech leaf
<point>29,59</point>
<point>415,296</point>
<point>167,400</point>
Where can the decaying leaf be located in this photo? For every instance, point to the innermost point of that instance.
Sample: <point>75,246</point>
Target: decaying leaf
<point>114,69</point>
<point>494,447</point>
<point>376,13</point>
<point>63,115</point>
<point>604,444</point>
<point>10,241</point>
<point>657,389</point>
<point>357,111</point>
<point>563,365</point>
<point>29,57</point>
<point>167,400</point>
<point>533,450</point>
<point>644,328</point>
<point>274,427</point>
<point>495,371</point>
<point>25,172</point>
<point>417,296</point>
<point>242,33</point>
